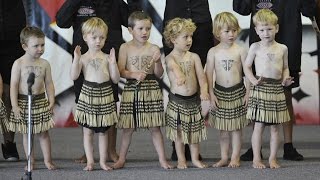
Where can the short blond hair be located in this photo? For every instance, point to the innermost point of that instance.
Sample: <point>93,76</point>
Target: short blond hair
<point>138,16</point>
<point>265,16</point>
<point>175,27</point>
<point>94,24</point>
<point>30,31</point>
<point>222,19</point>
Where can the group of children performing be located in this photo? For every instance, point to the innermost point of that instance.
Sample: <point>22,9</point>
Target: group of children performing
<point>235,100</point>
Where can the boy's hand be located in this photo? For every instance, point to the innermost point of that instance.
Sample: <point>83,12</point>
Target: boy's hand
<point>112,56</point>
<point>214,103</point>
<point>140,76</point>
<point>288,81</point>
<point>156,56</point>
<point>77,52</point>
<point>17,112</point>
<point>246,100</point>
<point>204,96</point>
<point>51,105</point>
<point>259,81</point>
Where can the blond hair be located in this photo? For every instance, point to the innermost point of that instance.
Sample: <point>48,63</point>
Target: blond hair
<point>137,16</point>
<point>265,16</point>
<point>30,31</point>
<point>175,27</point>
<point>94,24</point>
<point>225,19</point>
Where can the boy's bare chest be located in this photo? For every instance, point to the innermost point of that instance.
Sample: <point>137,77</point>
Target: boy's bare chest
<point>139,61</point>
<point>37,69</point>
<point>95,64</point>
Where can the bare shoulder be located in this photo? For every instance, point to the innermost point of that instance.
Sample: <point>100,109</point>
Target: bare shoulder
<point>282,46</point>
<point>169,58</point>
<point>255,46</point>
<point>44,62</point>
<point>194,56</point>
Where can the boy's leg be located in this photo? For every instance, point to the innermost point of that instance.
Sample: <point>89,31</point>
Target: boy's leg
<point>45,145</point>
<point>224,149</point>
<point>125,143</point>
<point>195,149</point>
<point>103,146</point>
<point>25,147</point>
<point>112,142</point>
<point>88,135</point>
<point>159,146</point>
<point>236,147</point>
<point>83,158</point>
<point>289,152</point>
<point>256,140</point>
<point>274,145</point>
<point>182,162</point>
<point>9,147</point>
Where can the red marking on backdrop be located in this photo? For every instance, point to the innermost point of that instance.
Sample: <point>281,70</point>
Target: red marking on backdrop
<point>51,7</point>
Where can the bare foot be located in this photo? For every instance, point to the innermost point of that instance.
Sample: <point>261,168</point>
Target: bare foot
<point>221,163</point>
<point>81,160</point>
<point>89,167</point>
<point>258,165</point>
<point>104,166</point>
<point>199,164</point>
<point>274,164</point>
<point>50,165</point>
<point>182,165</point>
<point>164,164</point>
<point>234,163</point>
<point>113,157</point>
<point>118,165</point>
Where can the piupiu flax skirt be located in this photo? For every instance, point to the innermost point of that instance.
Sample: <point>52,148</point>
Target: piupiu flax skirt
<point>96,106</point>
<point>141,105</point>
<point>231,113</point>
<point>41,116</point>
<point>186,112</point>
<point>267,103</point>
<point>3,117</point>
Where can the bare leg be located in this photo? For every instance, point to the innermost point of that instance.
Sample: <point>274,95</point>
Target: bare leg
<point>182,162</point>
<point>158,144</point>
<point>236,147</point>
<point>194,149</point>
<point>112,142</point>
<point>103,146</point>
<point>256,140</point>
<point>88,148</point>
<point>274,145</point>
<point>224,149</point>
<point>25,146</point>
<point>125,143</point>
<point>45,145</point>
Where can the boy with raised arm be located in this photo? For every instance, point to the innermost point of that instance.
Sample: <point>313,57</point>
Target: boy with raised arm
<point>142,100</point>
<point>185,125</point>
<point>226,87</point>
<point>267,103</point>
<point>32,40</point>
<point>96,109</point>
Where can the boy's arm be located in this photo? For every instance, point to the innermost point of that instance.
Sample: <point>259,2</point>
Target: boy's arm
<point>286,79</point>
<point>113,68</point>
<point>242,7</point>
<point>76,65</point>
<point>247,67</point>
<point>156,58</point>
<point>65,14</point>
<point>49,86</point>
<point>14,88</point>
<point>210,70</point>
<point>173,67</point>
<point>243,56</point>
<point>202,80</point>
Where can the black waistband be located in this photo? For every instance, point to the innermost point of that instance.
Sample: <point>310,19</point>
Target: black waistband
<point>95,84</point>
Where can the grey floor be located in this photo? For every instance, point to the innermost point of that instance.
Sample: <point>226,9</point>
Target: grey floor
<point>142,159</point>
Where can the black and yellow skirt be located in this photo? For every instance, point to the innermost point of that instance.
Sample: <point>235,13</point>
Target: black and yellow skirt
<point>41,116</point>
<point>96,106</point>
<point>267,103</point>
<point>185,111</point>
<point>3,118</point>
<point>142,104</point>
<point>231,113</point>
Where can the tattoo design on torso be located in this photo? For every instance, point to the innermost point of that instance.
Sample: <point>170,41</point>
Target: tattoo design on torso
<point>95,63</point>
<point>37,70</point>
<point>140,62</point>
<point>271,57</point>
<point>185,67</point>
<point>227,64</point>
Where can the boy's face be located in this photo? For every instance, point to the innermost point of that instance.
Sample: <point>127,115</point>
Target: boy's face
<point>34,46</point>
<point>266,31</point>
<point>95,40</point>
<point>228,34</point>
<point>141,30</point>
<point>183,41</point>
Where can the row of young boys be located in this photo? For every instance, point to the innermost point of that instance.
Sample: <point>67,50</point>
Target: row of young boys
<point>234,103</point>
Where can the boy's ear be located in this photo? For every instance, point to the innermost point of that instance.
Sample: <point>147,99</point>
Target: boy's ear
<point>24,46</point>
<point>130,30</point>
<point>84,37</point>
<point>277,28</point>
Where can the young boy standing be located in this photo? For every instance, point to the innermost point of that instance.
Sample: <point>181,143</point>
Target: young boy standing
<point>142,100</point>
